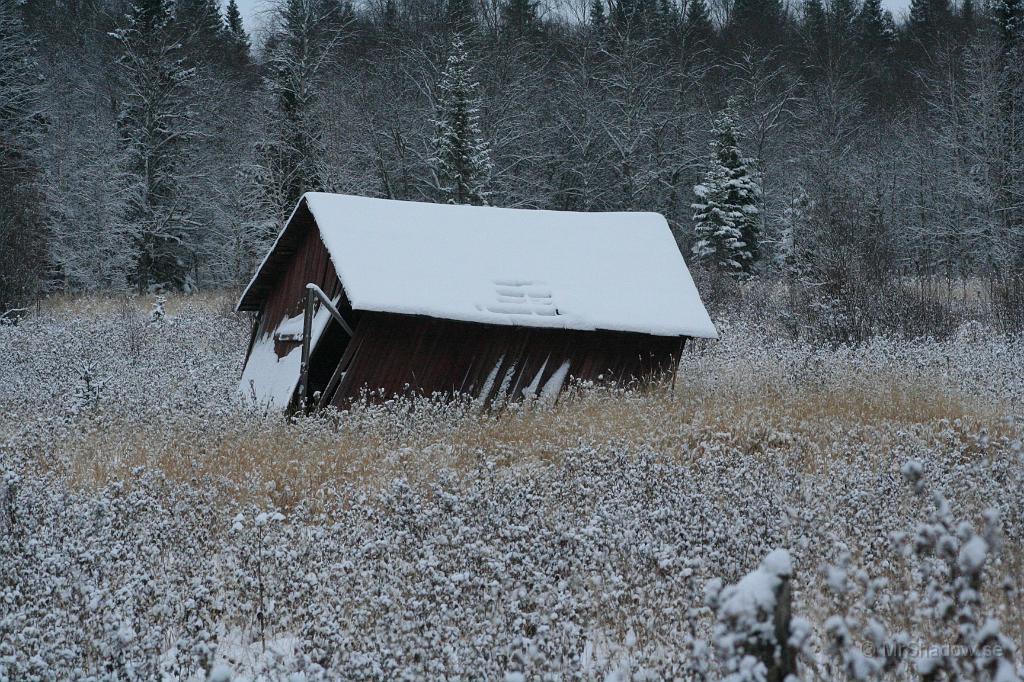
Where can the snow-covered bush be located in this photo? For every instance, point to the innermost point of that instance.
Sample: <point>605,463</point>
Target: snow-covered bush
<point>404,541</point>
<point>753,630</point>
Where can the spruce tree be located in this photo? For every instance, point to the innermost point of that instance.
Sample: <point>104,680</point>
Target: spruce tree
<point>842,20</point>
<point>155,123</point>
<point>460,16</point>
<point>699,31</point>
<point>598,18</point>
<point>843,15</point>
<point>726,215</point>
<point>200,25</point>
<point>968,20</point>
<point>874,41</point>
<point>341,16</point>
<point>873,35</point>
<point>238,45</point>
<point>233,19</point>
<point>1009,19</point>
<point>666,19</point>
<point>816,36</point>
<point>637,17</point>
<point>623,12</point>
<point>929,19</point>
<point>792,252</point>
<point>461,161</point>
<point>519,17</point>
<point>290,159</point>
<point>759,23</point>
<point>390,15</point>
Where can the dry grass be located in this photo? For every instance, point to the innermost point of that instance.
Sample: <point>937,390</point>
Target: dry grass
<point>372,445</point>
<point>102,305</point>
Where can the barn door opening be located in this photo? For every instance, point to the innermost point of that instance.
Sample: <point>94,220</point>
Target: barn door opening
<point>320,356</point>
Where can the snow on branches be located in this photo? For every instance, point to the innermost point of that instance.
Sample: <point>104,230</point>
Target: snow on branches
<point>726,216</point>
<point>462,159</point>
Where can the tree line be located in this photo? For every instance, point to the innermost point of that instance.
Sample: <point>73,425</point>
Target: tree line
<point>152,144</point>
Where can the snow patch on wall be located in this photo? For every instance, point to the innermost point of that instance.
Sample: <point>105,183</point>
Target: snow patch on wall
<point>553,386</point>
<point>270,380</point>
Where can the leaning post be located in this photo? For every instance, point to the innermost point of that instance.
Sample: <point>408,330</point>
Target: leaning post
<point>307,332</point>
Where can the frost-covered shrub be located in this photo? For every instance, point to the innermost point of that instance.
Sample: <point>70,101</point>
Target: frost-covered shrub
<point>417,540</point>
<point>753,630</point>
<point>757,637</point>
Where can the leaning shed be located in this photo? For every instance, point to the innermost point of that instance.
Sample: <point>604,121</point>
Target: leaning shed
<point>364,296</point>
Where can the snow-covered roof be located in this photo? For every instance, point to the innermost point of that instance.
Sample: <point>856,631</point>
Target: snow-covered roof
<point>560,269</point>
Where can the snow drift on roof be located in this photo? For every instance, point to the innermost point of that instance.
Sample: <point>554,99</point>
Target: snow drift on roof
<point>612,271</point>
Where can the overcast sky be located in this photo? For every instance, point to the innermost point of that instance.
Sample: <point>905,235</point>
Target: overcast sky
<point>251,9</point>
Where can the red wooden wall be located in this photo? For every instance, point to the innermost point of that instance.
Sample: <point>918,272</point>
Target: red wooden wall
<point>402,354</point>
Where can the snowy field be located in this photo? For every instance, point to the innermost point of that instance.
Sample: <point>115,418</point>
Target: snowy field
<point>152,524</point>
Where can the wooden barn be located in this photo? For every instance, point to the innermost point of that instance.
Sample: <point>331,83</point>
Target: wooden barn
<point>366,296</point>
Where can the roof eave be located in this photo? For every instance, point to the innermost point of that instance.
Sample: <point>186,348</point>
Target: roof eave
<point>245,304</point>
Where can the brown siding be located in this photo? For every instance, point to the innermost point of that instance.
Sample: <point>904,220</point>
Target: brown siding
<point>310,262</point>
<point>402,354</point>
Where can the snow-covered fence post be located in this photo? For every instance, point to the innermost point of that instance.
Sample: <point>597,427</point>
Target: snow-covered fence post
<point>753,633</point>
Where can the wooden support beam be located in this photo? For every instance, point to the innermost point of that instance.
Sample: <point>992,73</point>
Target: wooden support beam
<point>313,293</point>
<point>319,293</point>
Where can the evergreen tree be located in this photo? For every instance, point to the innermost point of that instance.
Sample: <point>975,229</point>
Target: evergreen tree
<point>290,160</point>
<point>843,16</point>
<point>726,215</point>
<point>390,15</point>
<point>634,16</point>
<point>340,16</point>
<point>929,19</point>
<point>519,17</point>
<point>200,24</point>
<point>666,19</point>
<point>815,30</point>
<point>461,161</point>
<point>598,18</point>
<point>155,124</point>
<point>873,35</point>
<point>760,23</point>
<point>623,12</point>
<point>699,31</point>
<point>460,16</point>
<point>1009,19</point>
<point>875,38</point>
<point>238,45</point>
<point>22,243</point>
<point>233,20</point>
<point>968,19</point>
<point>791,252</point>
